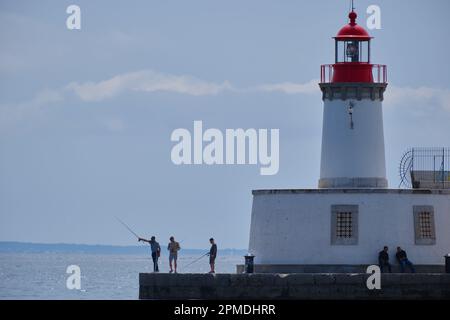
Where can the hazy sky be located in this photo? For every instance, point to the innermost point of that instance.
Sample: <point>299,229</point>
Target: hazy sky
<point>86,115</point>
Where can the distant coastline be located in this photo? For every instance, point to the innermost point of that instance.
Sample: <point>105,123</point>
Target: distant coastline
<point>29,247</point>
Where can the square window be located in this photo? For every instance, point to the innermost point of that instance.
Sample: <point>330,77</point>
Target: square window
<point>424,228</point>
<point>344,224</point>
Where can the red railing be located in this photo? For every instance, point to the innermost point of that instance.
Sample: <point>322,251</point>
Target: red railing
<point>379,72</point>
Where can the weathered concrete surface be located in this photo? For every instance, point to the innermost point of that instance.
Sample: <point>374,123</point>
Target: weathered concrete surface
<point>329,268</point>
<point>291,286</point>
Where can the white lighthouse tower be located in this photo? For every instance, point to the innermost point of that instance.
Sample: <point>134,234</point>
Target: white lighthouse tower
<point>342,225</point>
<point>352,139</point>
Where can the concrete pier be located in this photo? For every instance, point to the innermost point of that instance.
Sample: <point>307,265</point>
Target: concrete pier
<point>291,286</point>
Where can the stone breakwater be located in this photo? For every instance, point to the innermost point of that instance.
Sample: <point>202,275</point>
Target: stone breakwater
<point>291,286</point>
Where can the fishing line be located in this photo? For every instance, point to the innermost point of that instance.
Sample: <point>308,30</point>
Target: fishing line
<point>195,261</point>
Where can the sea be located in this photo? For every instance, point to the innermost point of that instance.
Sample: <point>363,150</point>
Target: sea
<point>44,276</point>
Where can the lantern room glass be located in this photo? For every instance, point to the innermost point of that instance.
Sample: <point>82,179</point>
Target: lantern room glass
<point>352,51</point>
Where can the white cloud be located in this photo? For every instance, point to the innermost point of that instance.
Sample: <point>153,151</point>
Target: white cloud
<point>146,81</point>
<point>421,101</point>
<point>422,97</point>
<point>151,81</point>
<point>310,87</point>
<point>47,96</point>
<point>14,112</point>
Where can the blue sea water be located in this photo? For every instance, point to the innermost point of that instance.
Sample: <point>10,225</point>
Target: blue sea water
<point>103,276</point>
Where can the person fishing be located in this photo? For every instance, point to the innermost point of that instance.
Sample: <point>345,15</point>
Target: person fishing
<point>212,255</point>
<point>173,248</point>
<point>156,251</point>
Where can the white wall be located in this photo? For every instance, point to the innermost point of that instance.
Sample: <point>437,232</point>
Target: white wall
<point>295,228</point>
<point>357,153</point>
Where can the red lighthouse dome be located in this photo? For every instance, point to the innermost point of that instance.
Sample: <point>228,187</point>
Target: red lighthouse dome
<point>353,30</point>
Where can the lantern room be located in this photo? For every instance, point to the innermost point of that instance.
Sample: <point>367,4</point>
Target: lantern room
<point>352,43</point>
<point>352,57</point>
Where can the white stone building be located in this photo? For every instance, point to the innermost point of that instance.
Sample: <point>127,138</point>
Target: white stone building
<point>345,223</point>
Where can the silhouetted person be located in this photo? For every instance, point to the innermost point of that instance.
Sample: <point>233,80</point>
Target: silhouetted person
<point>212,255</point>
<point>403,260</point>
<point>156,251</point>
<point>173,248</point>
<point>383,259</point>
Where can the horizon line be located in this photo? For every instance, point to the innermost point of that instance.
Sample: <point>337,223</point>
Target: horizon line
<point>95,245</point>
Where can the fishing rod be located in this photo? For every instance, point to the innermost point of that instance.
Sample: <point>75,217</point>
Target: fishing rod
<point>128,228</point>
<point>195,260</point>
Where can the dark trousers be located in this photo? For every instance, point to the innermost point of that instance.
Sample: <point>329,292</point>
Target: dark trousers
<point>383,264</point>
<point>155,262</point>
<point>406,262</point>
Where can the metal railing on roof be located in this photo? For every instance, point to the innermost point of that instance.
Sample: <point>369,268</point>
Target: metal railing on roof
<point>425,168</point>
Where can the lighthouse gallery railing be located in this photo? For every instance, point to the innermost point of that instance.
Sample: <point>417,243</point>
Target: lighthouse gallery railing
<point>379,72</point>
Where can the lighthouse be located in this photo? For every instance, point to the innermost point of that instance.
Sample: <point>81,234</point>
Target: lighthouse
<point>352,93</point>
<point>343,224</point>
